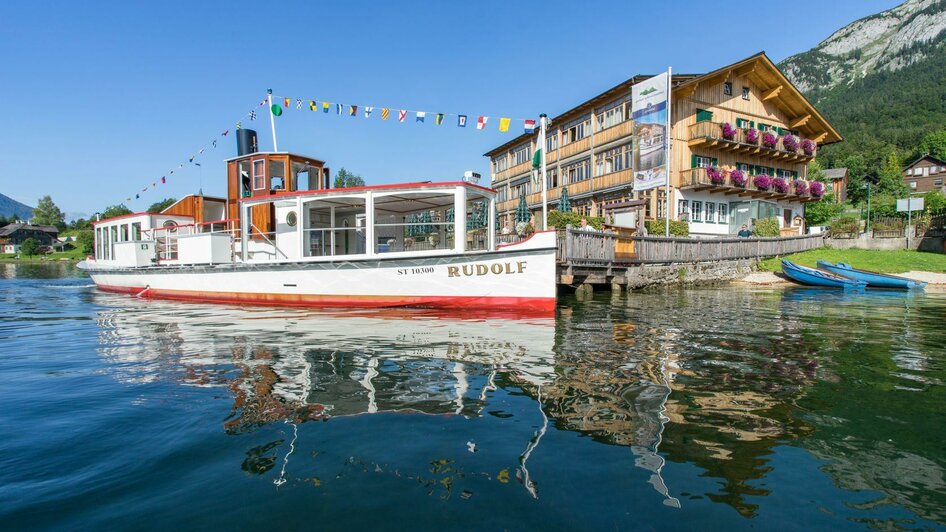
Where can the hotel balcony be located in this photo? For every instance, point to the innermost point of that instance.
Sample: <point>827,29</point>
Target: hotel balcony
<point>698,179</point>
<point>710,135</point>
<point>614,180</point>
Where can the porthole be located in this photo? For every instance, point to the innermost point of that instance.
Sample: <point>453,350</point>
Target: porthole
<point>291,219</point>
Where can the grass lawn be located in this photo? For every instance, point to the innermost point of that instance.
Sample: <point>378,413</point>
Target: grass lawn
<point>867,259</point>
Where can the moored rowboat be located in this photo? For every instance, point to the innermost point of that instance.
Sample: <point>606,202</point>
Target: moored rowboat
<point>873,279</point>
<point>813,277</point>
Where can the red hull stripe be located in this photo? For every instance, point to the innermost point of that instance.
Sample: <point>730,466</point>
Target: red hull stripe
<point>338,301</point>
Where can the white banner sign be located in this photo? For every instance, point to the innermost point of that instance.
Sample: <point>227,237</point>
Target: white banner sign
<point>650,104</point>
<point>909,204</point>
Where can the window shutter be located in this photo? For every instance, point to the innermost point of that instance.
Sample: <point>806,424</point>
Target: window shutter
<point>715,162</point>
<point>693,161</point>
<point>752,123</point>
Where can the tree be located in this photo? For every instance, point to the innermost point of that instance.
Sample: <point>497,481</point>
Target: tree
<point>890,177</point>
<point>3,220</point>
<point>346,179</point>
<point>161,205</point>
<point>934,144</point>
<point>822,212</point>
<point>47,213</point>
<point>85,241</point>
<point>29,247</point>
<point>115,210</point>
<point>934,203</point>
<point>79,224</point>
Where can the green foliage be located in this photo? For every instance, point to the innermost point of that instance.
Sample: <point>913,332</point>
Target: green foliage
<point>560,219</point>
<point>346,179</point>
<point>658,228</point>
<point>29,247</point>
<point>887,224</point>
<point>85,241</point>
<point>766,227</point>
<point>115,210</point>
<point>161,205</point>
<point>898,261</point>
<point>3,220</point>
<point>934,203</point>
<point>47,213</point>
<point>845,225</point>
<point>79,224</point>
<point>815,171</point>
<point>883,206</point>
<point>890,177</point>
<point>933,143</point>
<point>822,212</point>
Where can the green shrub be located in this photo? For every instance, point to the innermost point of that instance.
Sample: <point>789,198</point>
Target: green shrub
<point>845,224</point>
<point>561,219</point>
<point>887,224</point>
<point>659,228</point>
<point>822,212</point>
<point>766,227</point>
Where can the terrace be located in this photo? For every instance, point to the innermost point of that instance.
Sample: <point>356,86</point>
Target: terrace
<point>788,148</point>
<point>758,186</point>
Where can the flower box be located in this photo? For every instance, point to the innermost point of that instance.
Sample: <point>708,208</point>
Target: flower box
<point>715,176</point>
<point>780,185</point>
<point>738,178</point>
<point>762,182</point>
<point>729,132</point>
<point>752,136</point>
<point>817,189</point>
<point>809,146</point>
<point>790,143</point>
<point>801,188</point>
<point>769,139</point>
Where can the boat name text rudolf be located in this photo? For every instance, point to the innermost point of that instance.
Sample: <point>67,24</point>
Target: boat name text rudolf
<point>483,269</point>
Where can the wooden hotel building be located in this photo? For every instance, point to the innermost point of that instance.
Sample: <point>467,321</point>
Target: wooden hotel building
<point>590,148</point>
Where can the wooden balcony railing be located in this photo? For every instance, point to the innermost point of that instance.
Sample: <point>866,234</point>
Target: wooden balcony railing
<point>604,182</point>
<point>742,140</point>
<point>624,129</point>
<point>700,179</point>
<point>575,147</point>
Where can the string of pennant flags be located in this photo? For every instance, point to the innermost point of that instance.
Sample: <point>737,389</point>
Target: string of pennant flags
<point>192,159</point>
<point>285,103</point>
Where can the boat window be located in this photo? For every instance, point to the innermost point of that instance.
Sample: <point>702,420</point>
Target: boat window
<point>259,174</point>
<point>277,175</point>
<point>333,226</point>
<point>414,222</point>
<point>244,179</point>
<point>477,224</point>
<point>136,231</point>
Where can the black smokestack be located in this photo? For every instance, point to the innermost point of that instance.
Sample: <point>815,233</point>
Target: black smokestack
<point>246,142</point>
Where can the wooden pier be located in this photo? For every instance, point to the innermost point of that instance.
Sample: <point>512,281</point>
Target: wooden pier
<point>605,258</point>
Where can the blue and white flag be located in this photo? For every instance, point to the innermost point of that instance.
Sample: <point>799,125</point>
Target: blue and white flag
<point>368,111</point>
<point>461,121</point>
<point>420,116</point>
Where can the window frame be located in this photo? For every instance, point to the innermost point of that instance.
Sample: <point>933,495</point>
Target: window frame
<point>261,177</point>
<point>745,93</point>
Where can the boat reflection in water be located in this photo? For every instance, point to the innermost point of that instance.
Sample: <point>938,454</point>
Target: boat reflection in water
<point>284,365</point>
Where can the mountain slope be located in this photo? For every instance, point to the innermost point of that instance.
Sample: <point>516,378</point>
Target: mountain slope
<point>885,42</point>
<point>9,207</point>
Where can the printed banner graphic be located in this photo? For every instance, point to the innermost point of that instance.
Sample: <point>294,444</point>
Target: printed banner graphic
<point>649,104</point>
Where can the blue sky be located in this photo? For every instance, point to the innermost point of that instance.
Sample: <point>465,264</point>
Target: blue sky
<point>101,101</point>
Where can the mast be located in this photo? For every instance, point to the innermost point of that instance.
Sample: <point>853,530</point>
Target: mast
<point>543,125</point>
<point>272,117</point>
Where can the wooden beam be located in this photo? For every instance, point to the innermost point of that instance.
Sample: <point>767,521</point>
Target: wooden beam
<point>745,69</point>
<point>771,93</point>
<point>798,121</point>
<point>820,137</point>
<point>689,90</point>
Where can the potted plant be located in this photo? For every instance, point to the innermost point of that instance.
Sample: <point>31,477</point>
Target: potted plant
<point>729,132</point>
<point>752,136</point>
<point>769,139</point>
<point>780,185</point>
<point>715,176</point>
<point>809,146</point>
<point>762,182</point>
<point>801,188</point>
<point>817,189</point>
<point>790,142</point>
<point>738,178</point>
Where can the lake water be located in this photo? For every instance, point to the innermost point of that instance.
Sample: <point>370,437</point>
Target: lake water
<point>699,408</point>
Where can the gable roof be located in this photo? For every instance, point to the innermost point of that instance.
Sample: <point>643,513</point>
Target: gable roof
<point>925,156</point>
<point>9,229</point>
<point>835,173</point>
<point>759,68</point>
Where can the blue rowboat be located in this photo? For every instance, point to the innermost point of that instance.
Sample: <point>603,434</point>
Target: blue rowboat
<point>873,279</point>
<point>813,277</point>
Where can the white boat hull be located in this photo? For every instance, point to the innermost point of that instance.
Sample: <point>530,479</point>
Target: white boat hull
<point>520,276</point>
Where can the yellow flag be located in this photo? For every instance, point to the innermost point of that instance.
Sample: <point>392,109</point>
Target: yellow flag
<point>504,124</point>
<point>385,112</point>
<point>312,105</point>
<point>286,101</point>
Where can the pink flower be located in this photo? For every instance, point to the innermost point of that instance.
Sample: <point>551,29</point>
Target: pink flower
<point>809,146</point>
<point>780,185</point>
<point>738,178</point>
<point>729,132</point>
<point>817,189</point>
<point>762,182</point>
<point>769,139</point>
<point>790,142</point>
<point>752,136</point>
<point>801,188</point>
<point>715,176</point>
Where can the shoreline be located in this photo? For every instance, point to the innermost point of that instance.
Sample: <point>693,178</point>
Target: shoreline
<point>935,281</point>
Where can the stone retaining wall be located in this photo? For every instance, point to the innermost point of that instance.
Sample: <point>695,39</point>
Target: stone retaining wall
<point>934,244</point>
<point>692,273</point>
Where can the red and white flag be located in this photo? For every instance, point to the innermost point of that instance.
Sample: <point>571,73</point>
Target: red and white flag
<point>401,115</point>
<point>481,122</point>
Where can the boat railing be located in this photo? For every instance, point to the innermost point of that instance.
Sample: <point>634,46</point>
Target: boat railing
<point>331,241</point>
<point>276,253</point>
<point>413,236</point>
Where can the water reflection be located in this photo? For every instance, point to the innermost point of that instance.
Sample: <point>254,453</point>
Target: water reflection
<point>719,379</point>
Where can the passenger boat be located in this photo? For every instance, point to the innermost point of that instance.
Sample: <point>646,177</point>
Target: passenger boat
<point>813,277</point>
<point>873,279</point>
<point>283,236</point>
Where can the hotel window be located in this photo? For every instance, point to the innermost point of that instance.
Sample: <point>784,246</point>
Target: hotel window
<point>576,130</point>
<point>698,161</point>
<point>742,123</point>
<point>745,93</point>
<point>521,154</point>
<point>612,160</point>
<point>683,210</point>
<point>661,203</point>
<point>551,141</point>
<point>702,115</point>
<point>786,174</point>
<point>610,115</point>
<point>500,163</point>
<point>710,212</point>
<point>723,213</point>
<point>926,171</point>
<point>576,172</point>
<point>259,174</point>
<point>912,184</point>
<point>696,211</point>
<point>551,176</point>
<point>727,88</point>
<point>937,182</point>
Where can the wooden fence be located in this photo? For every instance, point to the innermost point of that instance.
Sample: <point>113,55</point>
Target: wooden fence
<point>601,248</point>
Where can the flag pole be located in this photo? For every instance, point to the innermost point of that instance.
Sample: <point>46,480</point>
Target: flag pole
<point>272,117</point>
<point>669,142</point>
<point>543,123</point>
